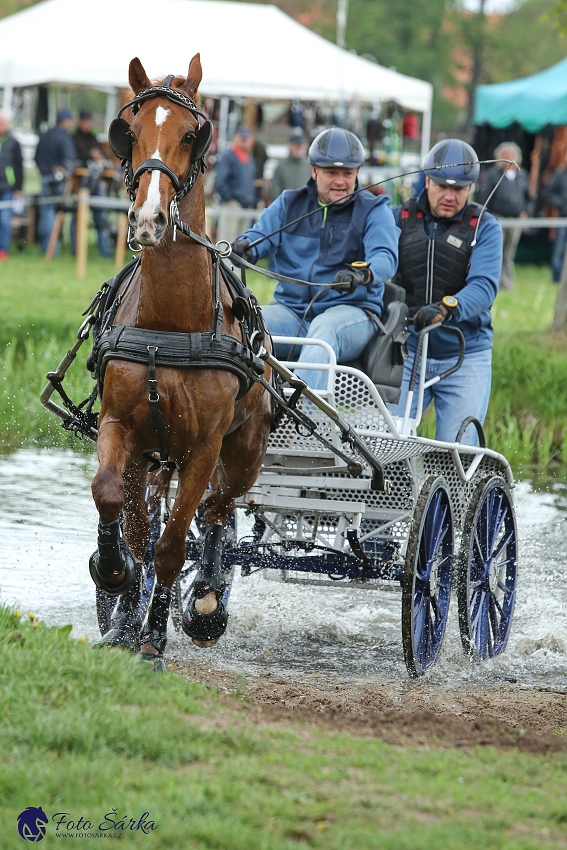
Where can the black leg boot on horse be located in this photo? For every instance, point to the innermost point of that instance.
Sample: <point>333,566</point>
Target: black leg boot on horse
<point>154,631</point>
<point>126,621</point>
<point>111,560</point>
<point>205,619</point>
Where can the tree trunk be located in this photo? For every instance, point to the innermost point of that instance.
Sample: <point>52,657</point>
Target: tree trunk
<point>560,316</point>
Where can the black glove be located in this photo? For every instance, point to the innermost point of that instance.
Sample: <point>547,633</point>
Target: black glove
<point>431,314</point>
<point>352,276</point>
<point>242,249</point>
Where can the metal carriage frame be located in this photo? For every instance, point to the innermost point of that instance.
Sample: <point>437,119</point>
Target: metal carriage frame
<point>443,519</point>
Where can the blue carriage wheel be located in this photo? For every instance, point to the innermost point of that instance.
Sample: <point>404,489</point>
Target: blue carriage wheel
<point>487,572</point>
<point>426,588</point>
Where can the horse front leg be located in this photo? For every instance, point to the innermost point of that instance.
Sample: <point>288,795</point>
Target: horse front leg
<point>112,565</point>
<point>171,549</point>
<point>126,620</point>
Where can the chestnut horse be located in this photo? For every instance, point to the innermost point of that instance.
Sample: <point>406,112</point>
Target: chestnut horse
<point>209,433</point>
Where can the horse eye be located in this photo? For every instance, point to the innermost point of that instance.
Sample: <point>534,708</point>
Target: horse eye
<point>188,137</point>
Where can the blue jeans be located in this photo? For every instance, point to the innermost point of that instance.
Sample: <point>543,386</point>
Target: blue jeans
<point>5,222</point>
<point>348,330</point>
<point>558,253</point>
<point>464,393</point>
<point>48,212</point>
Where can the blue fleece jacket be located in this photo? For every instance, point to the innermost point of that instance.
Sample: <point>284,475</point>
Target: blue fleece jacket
<point>473,315</point>
<point>234,179</point>
<point>317,247</point>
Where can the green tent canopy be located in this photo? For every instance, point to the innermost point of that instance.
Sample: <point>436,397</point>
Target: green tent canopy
<point>531,101</point>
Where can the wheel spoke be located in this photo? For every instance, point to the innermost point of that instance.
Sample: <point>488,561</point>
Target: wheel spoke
<point>493,618</point>
<point>504,542</point>
<point>497,517</point>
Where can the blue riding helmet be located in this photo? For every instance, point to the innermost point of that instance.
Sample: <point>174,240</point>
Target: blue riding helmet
<point>452,162</point>
<point>336,147</point>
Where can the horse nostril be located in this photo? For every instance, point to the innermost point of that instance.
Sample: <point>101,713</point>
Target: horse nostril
<point>161,221</point>
<point>133,218</point>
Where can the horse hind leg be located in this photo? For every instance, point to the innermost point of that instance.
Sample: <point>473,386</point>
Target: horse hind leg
<point>154,631</point>
<point>126,622</point>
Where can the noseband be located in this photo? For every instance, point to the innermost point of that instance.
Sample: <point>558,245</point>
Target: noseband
<point>120,140</point>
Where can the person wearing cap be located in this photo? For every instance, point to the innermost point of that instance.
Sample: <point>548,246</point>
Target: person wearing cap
<point>86,143</point>
<point>91,156</point>
<point>234,182</point>
<point>11,182</point>
<point>294,171</point>
<point>450,261</point>
<point>348,240</point>
<point>55,157</point>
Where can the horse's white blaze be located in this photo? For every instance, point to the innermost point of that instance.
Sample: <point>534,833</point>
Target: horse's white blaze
<point>150,206</point>
<point>161,115</point>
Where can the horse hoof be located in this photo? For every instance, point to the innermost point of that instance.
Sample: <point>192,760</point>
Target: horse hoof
<point>129,564</point>
<point>205,629</point>
<point>203,644</point>
<point>156,662</point>
<point>125,636</point>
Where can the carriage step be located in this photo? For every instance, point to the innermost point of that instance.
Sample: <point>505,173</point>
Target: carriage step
<point>298,503</point>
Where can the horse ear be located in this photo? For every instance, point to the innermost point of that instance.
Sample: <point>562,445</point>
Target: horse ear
<point>194,76</point>
<point>137,76</point>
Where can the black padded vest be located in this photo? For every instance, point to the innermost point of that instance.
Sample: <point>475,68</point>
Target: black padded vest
<point>430,268</point>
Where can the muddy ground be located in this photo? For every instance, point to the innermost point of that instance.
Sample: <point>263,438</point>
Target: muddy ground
<point>410,714</point>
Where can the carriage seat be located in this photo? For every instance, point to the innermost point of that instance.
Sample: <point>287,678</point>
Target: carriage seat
<point>384,357</point>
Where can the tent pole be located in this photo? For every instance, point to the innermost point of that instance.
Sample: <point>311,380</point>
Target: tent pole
<point>111,108</point>
<point>425,134</point>
<point>223,123</point>
<point>7,100</point>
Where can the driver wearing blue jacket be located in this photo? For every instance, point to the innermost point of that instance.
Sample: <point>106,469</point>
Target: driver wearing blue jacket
<point>351,245</point>
<point>450,263</point>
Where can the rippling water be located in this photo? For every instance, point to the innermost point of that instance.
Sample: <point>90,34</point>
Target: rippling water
<point>48,530</point>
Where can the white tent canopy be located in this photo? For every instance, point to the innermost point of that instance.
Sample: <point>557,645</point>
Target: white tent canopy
<point>247,50</point>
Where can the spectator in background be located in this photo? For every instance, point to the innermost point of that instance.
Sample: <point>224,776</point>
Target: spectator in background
<point>510,200</point>
<point>90,156</point>
<point>234,183</point>
<point>260,157</point>
<point>55,157</point>
<point>294,171</point>
<point>555,193</point>
<point>11,181</point>
<point>85,140</point>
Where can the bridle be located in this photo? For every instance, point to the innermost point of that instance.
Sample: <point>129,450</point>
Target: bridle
<point>120,140</point>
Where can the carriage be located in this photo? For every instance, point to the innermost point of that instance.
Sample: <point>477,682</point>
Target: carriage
<point>443,523</point>
<point>345,492</point>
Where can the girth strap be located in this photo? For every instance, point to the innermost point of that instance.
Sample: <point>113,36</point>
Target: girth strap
<point>156,420</point>
<point>185,350</point>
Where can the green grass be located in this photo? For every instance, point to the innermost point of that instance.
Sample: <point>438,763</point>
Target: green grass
<point>84,731</point>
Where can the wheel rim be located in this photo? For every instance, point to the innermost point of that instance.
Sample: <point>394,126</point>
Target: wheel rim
<point>491,579</point>
<point>428,595</point>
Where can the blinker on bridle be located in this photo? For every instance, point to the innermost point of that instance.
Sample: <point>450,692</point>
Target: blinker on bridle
<point>120,141</point>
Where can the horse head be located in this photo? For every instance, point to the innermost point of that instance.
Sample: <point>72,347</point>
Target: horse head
<point>163,146</point>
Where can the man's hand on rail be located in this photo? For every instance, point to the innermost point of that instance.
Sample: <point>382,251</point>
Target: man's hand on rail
<point>433,314</point>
